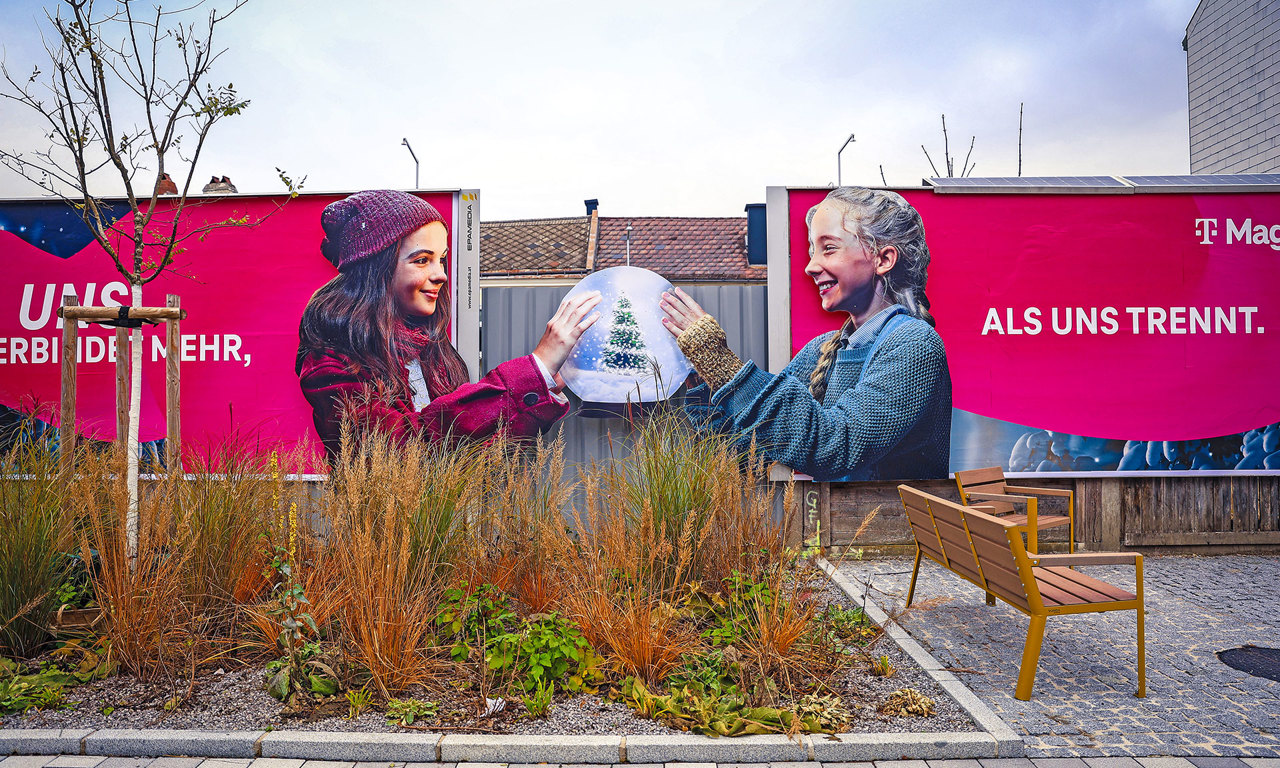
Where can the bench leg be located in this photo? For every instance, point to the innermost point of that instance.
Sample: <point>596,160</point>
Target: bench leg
<point>1142,657</point>
<point>991,599</point>
<point>1030,659</point>
<point>915,571</point>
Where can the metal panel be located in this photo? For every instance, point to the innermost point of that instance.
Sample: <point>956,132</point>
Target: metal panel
<point>515,317</point>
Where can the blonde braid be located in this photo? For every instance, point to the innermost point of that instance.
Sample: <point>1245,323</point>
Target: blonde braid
<point>822,371</point>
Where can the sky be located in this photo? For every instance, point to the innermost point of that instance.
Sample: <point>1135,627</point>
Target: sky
<point>675,108</point>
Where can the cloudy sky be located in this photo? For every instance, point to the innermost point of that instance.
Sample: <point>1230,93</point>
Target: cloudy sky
<point>676,108</point>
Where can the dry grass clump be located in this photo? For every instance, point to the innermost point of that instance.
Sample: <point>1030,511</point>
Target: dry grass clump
<point>34,533</point>
<point>398,517</point>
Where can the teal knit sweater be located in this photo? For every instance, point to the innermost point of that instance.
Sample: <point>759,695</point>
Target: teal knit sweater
<point>889,419</point>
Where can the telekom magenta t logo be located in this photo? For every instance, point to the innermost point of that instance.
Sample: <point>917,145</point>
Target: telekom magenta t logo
<point>1206,228</point>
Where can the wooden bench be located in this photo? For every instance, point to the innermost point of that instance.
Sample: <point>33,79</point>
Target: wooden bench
<point>987,487</point>
<point>988,551</point>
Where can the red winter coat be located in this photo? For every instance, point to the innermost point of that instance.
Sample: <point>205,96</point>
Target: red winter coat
<point>513,395</point>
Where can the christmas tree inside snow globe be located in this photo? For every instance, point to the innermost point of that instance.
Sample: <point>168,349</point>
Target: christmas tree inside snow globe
<point>627,356</point>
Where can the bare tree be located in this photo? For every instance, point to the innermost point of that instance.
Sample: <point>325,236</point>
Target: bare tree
<point>126,99</point>
<point>965,168</point>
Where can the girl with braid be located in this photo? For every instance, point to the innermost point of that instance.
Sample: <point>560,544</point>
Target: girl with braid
<point>871,401</point>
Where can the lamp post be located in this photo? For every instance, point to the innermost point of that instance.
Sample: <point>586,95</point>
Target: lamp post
<point>839,181</point>
<point>405,142</point>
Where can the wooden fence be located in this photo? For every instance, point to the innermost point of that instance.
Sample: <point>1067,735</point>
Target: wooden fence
<point>1239,512</point>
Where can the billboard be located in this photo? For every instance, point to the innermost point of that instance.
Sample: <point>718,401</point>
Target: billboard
<point>1113,333</point>
<point>244,289</point>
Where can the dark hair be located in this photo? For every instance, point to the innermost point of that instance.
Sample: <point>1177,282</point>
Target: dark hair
<point>353,315</point>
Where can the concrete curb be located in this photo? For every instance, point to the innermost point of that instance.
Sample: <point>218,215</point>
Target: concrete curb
<point>1007,743</point>
<point>131,742</point>
<point>352,747</point>
<point>42,741</point>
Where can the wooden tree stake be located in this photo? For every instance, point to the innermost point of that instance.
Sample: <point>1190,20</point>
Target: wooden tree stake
<point>67,417</point>
<point>172,362</point>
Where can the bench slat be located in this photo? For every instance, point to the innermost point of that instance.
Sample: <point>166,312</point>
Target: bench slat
<point>981,476</point>
<point>1042,521</point>
<point>1054,595</point>
<point>1067,584</point>
<point>1109,592</point>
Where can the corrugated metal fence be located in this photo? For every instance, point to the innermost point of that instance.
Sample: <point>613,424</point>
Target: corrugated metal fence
<point>514,318</point>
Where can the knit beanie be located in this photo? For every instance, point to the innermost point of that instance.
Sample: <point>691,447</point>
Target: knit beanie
<point>358,226</point>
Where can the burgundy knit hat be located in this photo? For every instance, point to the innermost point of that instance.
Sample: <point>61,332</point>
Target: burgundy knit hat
<point>358,226</point>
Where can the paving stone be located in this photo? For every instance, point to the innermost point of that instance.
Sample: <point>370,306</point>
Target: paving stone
<point>1217,762</point>
<point>221,763</point>
<point>1083,704</point>
<point>901,764</point>
<point>691,748</point>
<point>278,762</point>
<point>1114,762</point>
<point>125,762</point>
<point>347,748</point>
<point>525,748</point>
<point>1006,762</point>
<point>954,764</point>
<point>847,765</point>
<point>180,762</point>
<point>327,764</point>
<point>77,761</point>
<point>1262,762</point>
<point>25,761</point>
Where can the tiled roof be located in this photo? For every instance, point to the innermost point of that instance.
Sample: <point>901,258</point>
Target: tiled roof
<point>534,246</point>
<point>679,248</point>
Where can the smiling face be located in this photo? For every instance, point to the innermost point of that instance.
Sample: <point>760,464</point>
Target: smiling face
<point>842,267</point>
<point>420,273</point>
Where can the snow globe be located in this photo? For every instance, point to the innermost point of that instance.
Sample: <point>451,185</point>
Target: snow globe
<point>626,356</point>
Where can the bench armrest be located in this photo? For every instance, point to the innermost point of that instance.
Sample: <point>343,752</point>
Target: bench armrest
<point>998,497</point>
<point>1064,492</point>
<point>1087,558</point>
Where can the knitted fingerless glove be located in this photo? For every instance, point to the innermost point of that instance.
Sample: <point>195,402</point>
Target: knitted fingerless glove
<point>705,345</point>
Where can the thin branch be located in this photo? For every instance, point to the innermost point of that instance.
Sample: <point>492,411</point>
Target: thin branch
<point>930,159</point>
<point>882,181</point>
<point>946,150</point>
<point>965,170</point>
<point>1020,105</point>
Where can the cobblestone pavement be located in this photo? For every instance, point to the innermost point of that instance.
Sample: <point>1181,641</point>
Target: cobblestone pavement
<point>77,761</point>
<point>1083,703</point>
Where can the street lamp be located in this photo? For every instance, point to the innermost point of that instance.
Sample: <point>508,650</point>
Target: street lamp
<point>842,146</point>
<point>405,142</point>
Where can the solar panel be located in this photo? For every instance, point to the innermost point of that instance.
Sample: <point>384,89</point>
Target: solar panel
<point>1029,184</point>
<point>1165,183</point>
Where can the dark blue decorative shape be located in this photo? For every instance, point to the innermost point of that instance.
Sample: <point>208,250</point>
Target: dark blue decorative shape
<point>53,226</point>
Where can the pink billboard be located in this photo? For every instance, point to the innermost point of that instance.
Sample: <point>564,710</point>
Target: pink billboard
<point>1085,332</point>
<point>244,289</point>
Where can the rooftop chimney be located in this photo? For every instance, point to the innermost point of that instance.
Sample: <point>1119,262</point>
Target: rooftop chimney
<point>756,253</point>
<point>592,205</point>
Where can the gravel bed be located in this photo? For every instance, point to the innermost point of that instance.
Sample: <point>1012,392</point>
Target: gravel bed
<point>235,699</point>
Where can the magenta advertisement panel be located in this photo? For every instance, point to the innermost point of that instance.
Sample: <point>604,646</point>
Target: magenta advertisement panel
<point>1084,332</point>
<point>244,289</point>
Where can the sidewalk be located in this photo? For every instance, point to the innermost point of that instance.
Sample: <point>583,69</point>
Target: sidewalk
<point>1083,703</point>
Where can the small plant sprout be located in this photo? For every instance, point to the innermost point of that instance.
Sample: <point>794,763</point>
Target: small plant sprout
<point>882,667</point>
<point>538,701</point>
<point>404,712</point>
<point>358,701</point>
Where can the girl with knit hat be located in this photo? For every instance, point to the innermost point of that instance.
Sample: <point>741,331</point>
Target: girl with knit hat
<point>373,344</point>
<point>871,401</point>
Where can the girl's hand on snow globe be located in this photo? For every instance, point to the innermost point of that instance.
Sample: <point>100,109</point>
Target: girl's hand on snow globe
<point>682,311</point>
<point>564,328</point>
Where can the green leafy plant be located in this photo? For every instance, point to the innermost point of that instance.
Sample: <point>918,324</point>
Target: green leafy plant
<point>290,674</point>
<point>43,689</point>
<point>745,596</point>
<point>546,649</point>
<point>474,620</point>
<point>538,701</point>
<point>405,711</point>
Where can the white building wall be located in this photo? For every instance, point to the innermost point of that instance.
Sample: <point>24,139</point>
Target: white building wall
<point>1233,86</point>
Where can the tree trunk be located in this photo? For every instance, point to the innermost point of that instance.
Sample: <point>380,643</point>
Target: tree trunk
<point>135,417</point>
